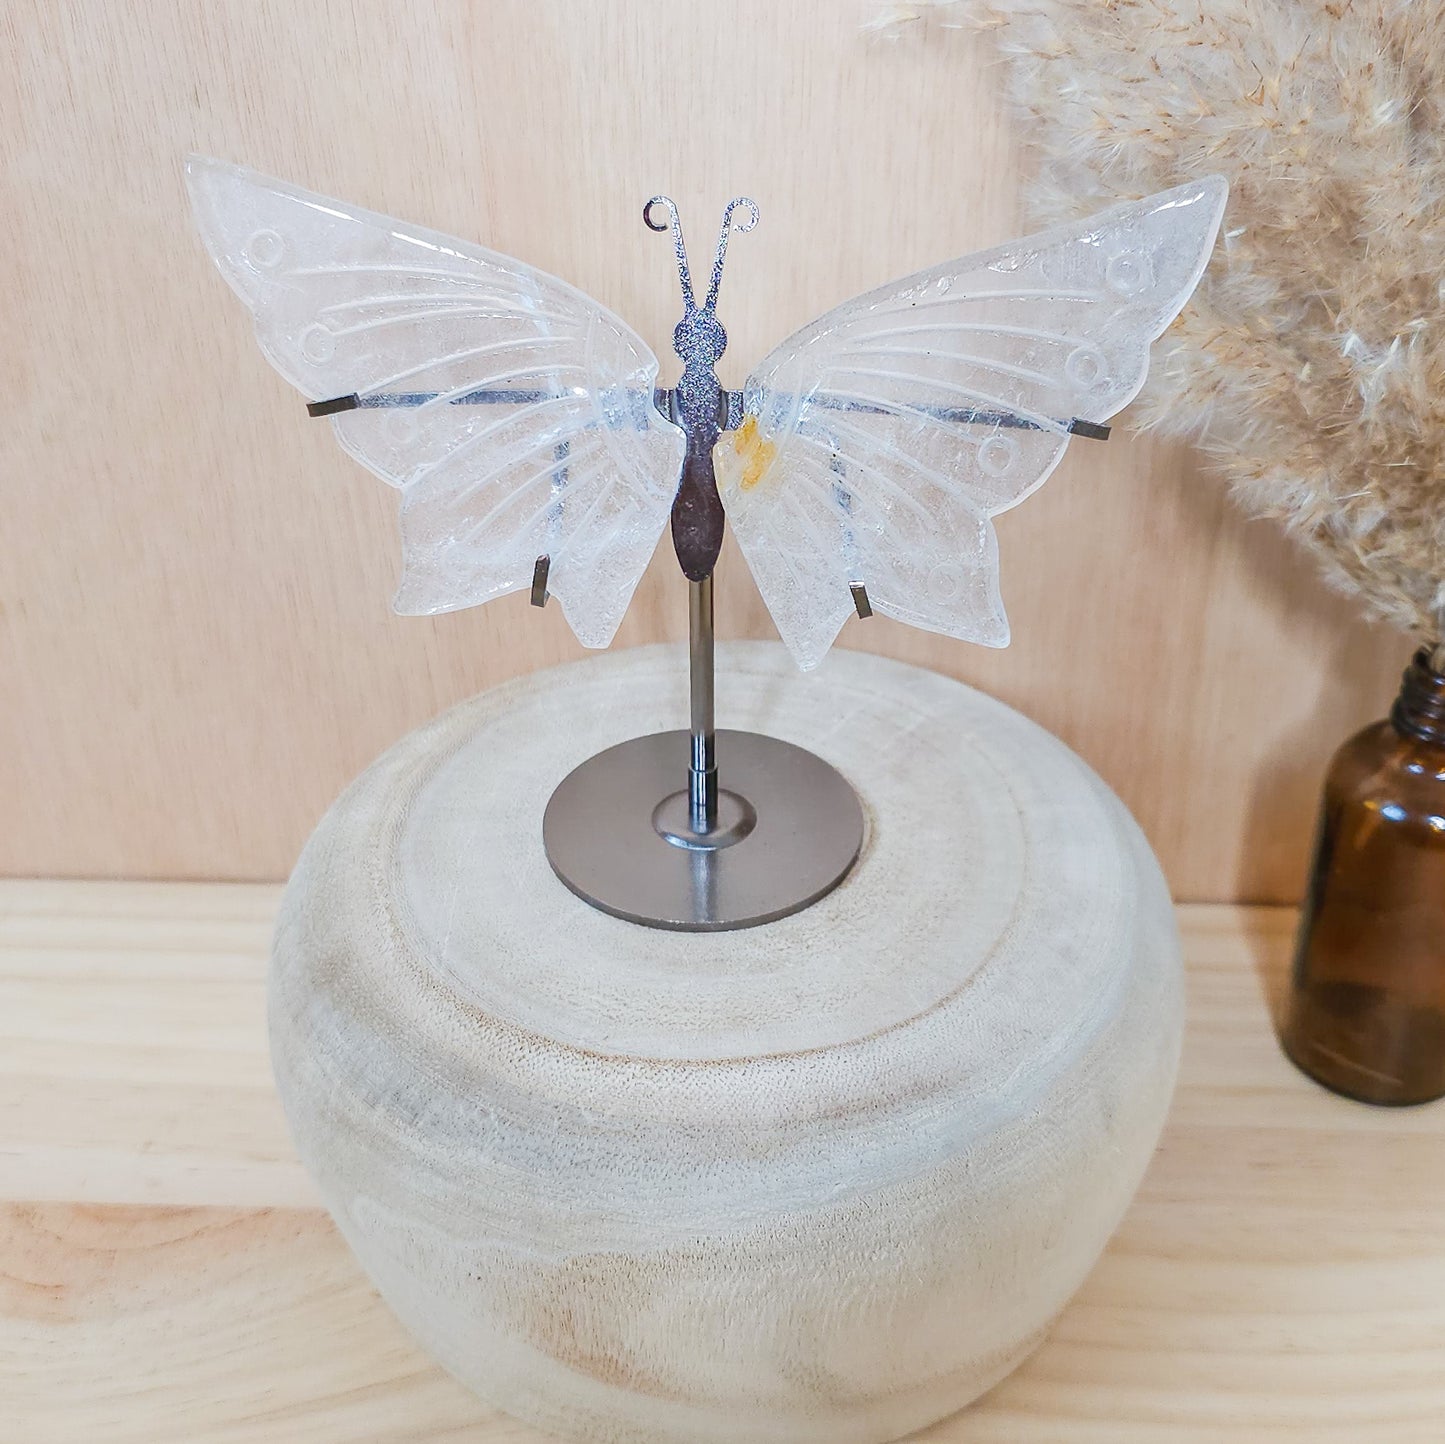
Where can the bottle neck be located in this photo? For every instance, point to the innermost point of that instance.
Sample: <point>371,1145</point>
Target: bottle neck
<point>1419,710</point>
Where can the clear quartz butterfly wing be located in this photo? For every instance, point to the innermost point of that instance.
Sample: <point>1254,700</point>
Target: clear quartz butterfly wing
<point>573,463</point>
<point>877,442</point>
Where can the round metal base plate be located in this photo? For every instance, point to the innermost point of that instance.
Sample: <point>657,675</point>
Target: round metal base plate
<point>791,828</point>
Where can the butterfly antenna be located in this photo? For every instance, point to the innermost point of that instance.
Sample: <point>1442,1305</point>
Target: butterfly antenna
<point>748,221</point>
<point>683,274</point>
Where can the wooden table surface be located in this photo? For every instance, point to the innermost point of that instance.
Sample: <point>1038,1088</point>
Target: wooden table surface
<point>166,1272</point>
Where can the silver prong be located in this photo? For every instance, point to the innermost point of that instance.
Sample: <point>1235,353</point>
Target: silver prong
<point>861,604</point>
<point>539,581</point>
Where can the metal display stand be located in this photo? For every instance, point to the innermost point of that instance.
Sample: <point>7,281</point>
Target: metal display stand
<point>621,830</point>
<point>702,830</point>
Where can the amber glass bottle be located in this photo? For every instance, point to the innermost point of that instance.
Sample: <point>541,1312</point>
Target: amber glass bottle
<point>1367,1004</point>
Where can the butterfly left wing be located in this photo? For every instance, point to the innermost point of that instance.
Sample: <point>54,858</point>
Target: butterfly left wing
<point>876,444</point>
<point>514,412</point>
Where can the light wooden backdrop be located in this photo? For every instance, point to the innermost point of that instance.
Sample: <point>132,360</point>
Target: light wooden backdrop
<point>196,648</point>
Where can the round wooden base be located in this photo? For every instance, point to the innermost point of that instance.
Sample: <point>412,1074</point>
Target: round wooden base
<point>819,1181</point>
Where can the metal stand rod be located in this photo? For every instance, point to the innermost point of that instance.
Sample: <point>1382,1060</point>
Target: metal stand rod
<point>702,767</point>
<point>626,839</point>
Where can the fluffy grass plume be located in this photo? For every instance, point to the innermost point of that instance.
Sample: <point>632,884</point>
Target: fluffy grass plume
<point>1310,363</point>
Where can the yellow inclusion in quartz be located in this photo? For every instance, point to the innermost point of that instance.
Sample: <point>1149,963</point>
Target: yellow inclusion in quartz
<point>755,452</point>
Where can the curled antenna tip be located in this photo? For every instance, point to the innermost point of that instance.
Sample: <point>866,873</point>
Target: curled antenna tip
<point>647,209</point>
<point>751,215</point>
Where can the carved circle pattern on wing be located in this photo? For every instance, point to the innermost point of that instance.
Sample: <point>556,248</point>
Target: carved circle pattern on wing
<point>266,249</point>
<point>1086,368</point>
<point>1128,274</point>
<point>318,344</point>
<point>945,582</point>
<point>996,454</point>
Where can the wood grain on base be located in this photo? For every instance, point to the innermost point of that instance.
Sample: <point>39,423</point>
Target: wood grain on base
<point>818,1182</point>
<point>1280,1278</point>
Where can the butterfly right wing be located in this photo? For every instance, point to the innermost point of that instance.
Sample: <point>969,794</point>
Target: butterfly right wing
<point>514,413</point>
<point>878,442</point>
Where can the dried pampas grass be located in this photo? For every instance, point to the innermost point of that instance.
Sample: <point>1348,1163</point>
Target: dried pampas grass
<point>1311,361</point>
